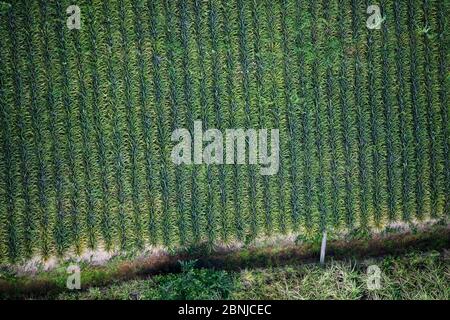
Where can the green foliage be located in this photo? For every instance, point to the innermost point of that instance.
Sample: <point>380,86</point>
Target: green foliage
<point>346,120</point>
<point>404,135</point>
<point>390,124</point>
<point>27,223</point>
<point>190,115</point>
<point>130,116</point>
<point>117,131</point>
<point>273,108</point>
<point>193,284</point>
<point>85,124</point>
<point>360,117</point>
<point>4,6</point>
<point>374,125</point>
<point>218,110</point>
<point>443,84</point>
<point>416,275</point>
<point>53,127</point>
<point>204,112</point>
<point>99,128</point>
<point>333,125</point>
<point>306,121</point>
<point>147,131</point>
<point>86,117</point>
<point>430,112</point>
<point>246,90</point>
<point>416,112</point>
<point>175,112</point>
<point>289,93</point>
<point>160,117</point>
<point>7,151</point>
<point>319,128</point>
<point>232,109</point>
<point>37,127</point>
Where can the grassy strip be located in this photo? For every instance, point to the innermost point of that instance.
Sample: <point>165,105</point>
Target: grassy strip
<point>52,283</point>
<point>414,276</point>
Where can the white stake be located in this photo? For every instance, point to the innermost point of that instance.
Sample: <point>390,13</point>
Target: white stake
<point>323,247</point>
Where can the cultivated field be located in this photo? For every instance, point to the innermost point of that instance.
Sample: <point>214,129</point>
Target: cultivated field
<point>86,118</point>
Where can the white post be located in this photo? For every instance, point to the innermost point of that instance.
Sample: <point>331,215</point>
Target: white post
<point>323,247</point>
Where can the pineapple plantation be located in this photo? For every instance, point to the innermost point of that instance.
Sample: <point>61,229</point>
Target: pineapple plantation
<point>86,117</point>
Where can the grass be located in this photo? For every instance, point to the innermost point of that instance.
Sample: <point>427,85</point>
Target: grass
<point>39,281</point>
<point>413,276</point>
